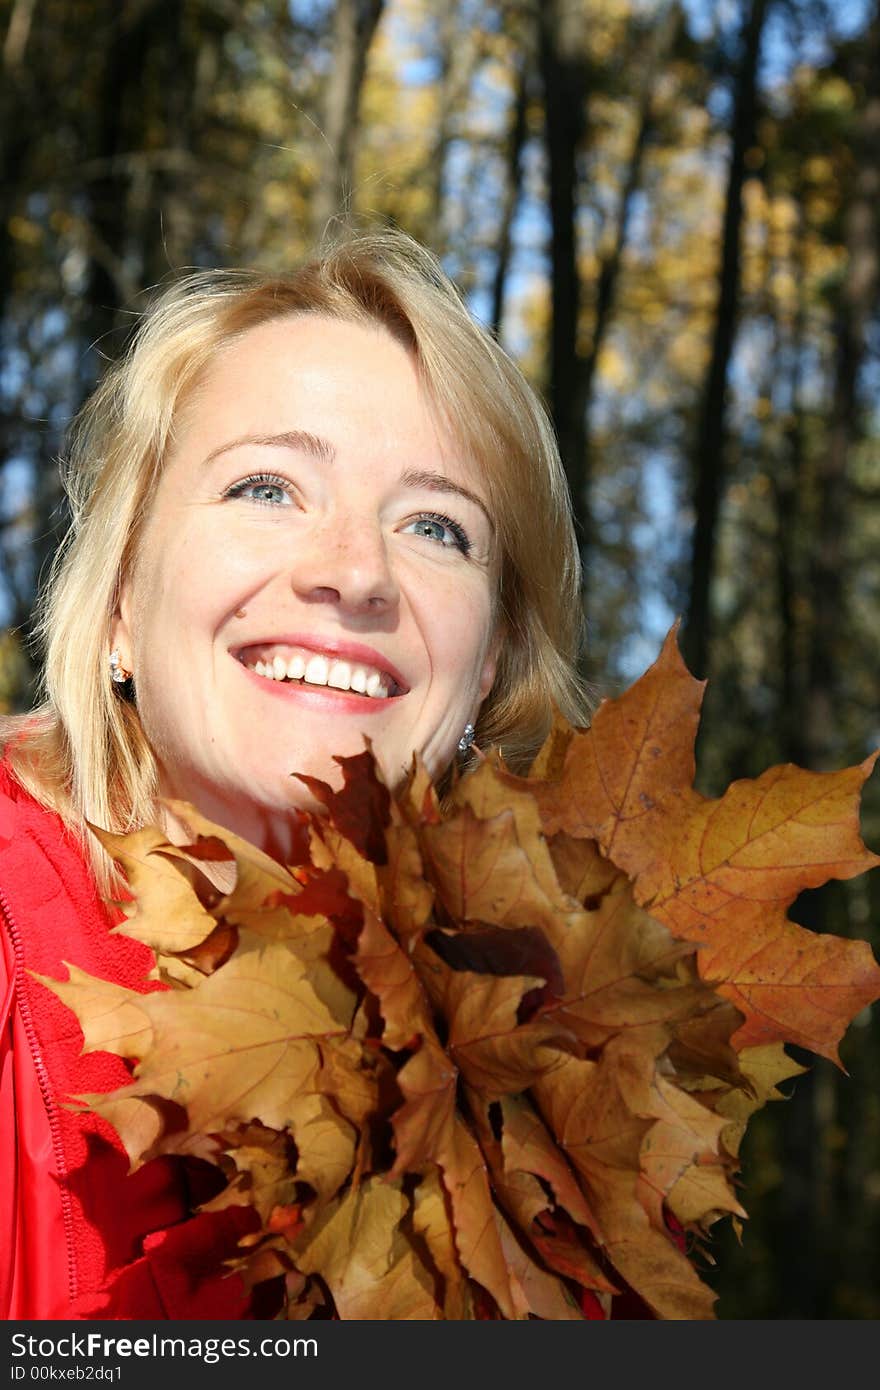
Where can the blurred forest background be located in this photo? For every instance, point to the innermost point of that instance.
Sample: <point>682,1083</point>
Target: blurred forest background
<point>668,213</point>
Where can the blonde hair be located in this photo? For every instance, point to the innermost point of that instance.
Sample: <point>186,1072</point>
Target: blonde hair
<point>83,751</point>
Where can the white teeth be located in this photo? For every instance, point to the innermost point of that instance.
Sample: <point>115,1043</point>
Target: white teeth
<point>322,670</point>
<point>317,670</point>
<point>339,675</point>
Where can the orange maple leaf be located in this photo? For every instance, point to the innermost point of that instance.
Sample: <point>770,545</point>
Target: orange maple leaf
<point>723,873</point>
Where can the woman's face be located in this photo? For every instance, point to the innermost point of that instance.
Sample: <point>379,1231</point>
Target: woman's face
<point>315,568</point>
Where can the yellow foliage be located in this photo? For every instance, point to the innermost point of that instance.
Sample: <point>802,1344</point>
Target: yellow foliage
<point>820,209</point>
<point>832,93</point>
<point>606,28</point>
<point>689,354</point>
<point>784,288</point>
<point>615,367</point>
<point>819,169</point>
<point>26,231</point>
<point>754,197</point>
<point>783,213</point>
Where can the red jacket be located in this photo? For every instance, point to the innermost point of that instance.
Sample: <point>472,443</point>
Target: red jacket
<point>69,1213</point>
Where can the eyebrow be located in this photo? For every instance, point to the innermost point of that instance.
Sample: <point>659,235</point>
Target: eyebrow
<point>322,449</point>
<point>290,439</point>
<point>438,482</point>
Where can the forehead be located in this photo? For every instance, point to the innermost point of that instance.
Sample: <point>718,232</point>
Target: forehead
<point>307,364</point>
<point>351,382</point>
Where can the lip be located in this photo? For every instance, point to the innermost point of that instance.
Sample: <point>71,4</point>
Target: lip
<point>329,646</point>
<point>320,697</point>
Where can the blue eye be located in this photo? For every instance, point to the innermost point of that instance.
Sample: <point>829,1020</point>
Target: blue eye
<point>265,488</point>
<point>441,529</point>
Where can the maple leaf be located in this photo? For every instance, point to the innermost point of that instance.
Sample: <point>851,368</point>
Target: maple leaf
<point>358,1248</point>
<point>482,872</point>
<point>477,1057</point>
<point>723,873</point>
<point>496,1055</point>
<point>407,898</point>
<point>528,1147</point>
<point>548,1225</point>
<point>243,1046</point>
<point>112,1017</point>
<point>166,913</point>
<point>257,874</point>
<point>361,809</point>
<point>586,1106</point>
<point>477,1223</point>
<point>426,1127</point>
<point>431,1223</point>
<point>260,1171</point>
<point>764,1068</point>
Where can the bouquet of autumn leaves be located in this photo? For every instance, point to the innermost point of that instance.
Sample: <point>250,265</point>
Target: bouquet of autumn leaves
<point>495,1057</point>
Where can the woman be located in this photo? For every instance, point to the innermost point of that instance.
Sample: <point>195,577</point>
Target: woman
<point>306,510</point>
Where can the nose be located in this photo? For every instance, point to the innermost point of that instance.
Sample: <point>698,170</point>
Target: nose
<point>348,564</point>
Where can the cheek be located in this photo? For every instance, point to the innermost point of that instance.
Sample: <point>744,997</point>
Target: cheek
<point>191,583</point>
<point>462,632</point>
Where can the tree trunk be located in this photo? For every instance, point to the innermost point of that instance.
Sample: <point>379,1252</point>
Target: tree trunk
<point>788,481</point>
<point>17,113</point>
<point>564,69</point>
<point>858,303</point>
<point>817,1209</point>
<point>110,136</point>
<point>606,286</point>
<point>515,142</point>
<point>116,131</point>
<point>460,49</point>
<point>708,458</point>
<point>354,26</point>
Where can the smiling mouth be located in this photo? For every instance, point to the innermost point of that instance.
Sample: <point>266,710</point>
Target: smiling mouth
<point>299,666</point>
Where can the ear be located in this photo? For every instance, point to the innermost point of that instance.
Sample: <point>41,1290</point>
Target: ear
<point>490,663</point>
<point>121,629</point>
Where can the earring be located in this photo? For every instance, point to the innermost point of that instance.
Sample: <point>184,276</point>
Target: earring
<point>466,739</point>
<point>118,672</point>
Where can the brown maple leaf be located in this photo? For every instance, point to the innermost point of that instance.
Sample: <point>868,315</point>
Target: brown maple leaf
<point>723,873</point>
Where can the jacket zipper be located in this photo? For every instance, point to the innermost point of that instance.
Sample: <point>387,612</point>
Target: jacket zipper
<point>45,1089</point>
